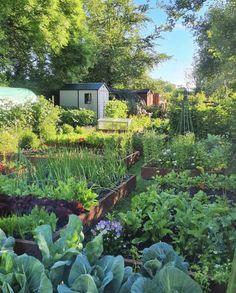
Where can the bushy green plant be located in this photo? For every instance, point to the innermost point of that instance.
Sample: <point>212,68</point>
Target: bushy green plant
<point>116,109</point>
<point>213,118</point>
<point>66,129</point>
<point>78,117</point>
<point>200,229</point>
<point>15,116</point>
<point>24,225</point>
<point>160,125</point>
<point>153,145</point>
<point>185,152</point>
<point>140,122</point>
<point>183,181</point>
<point>67,267</point>
<point>9,141</point>
<point>28,140</point>
<point>45,118</point>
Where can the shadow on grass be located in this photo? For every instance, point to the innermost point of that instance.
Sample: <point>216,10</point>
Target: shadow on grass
<point>142,185</point>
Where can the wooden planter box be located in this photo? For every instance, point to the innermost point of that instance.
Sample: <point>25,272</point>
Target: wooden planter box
<point>132,159</point>
<point>218,288</point>
<point>90,218</point>
<point>150,172</point>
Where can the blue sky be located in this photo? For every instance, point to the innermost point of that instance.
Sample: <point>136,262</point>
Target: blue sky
<point>179,44</point>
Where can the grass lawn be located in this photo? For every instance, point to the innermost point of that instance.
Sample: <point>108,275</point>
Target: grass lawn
<point>141,186</point>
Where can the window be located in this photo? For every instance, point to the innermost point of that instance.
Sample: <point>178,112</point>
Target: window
<point>88,98</point>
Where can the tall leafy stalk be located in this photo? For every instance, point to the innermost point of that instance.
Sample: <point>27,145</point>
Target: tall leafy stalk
<point>232,281</point>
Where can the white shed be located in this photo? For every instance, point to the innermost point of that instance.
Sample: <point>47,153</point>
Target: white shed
<point>92,96</point>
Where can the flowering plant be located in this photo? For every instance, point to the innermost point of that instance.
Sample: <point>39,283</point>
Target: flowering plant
<point>4,169</point>
<point>112,232</point>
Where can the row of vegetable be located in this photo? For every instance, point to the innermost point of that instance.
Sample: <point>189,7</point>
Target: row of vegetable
<point>67,266</point>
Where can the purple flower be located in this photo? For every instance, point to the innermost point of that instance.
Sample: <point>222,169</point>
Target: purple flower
<point>108,227</point>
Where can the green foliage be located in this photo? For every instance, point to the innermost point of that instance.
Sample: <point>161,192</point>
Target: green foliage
<point>116,109</point>
<point>199,228</point>
<point>46,117</point>
<point>28,140</point>
<point>23,226</point>
<point>153,144</point>
<point>207,118</point>
<point>68,174</point>
<point>161,126</point>
<point>215,63</point>
<point>64,249</point>
<point>67,267</point>
<point>67,129</point>
<point>59,43</point>
<point>232,281</point>
<point>123,53</point>
<point>140,122</point>
<point>23,273</point>
<point>15,116</point>
<point>185,152</point>
<point>9,141</point>
<point>81,117</point>
<point>6,243</point>
<point>205,181</point>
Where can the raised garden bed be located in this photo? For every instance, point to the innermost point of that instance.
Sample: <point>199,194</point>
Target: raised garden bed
<point>132,158</point>
<point>150,172</point>
<point>62,210</point>
<point>129,160</point>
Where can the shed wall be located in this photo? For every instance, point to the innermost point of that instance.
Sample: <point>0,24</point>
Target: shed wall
<point>103,98</point>
<point>93,105</point>
<point>68,98</point>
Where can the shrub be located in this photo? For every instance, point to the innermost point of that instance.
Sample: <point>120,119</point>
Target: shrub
<point>29,140</point>
<point>66,129</point>
<point>46,117</point>
<point>206,118</point>
<point>78,117</point>
<point>140,122</point>
<point>15,116</point>
<point>116,109</point>
<point>8,141</point>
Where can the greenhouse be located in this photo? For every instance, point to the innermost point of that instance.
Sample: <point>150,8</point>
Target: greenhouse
<point>16,96</point>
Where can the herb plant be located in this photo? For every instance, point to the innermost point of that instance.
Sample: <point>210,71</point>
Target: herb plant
<point>23,226</point>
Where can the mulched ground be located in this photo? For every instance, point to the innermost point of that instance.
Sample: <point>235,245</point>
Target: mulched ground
<point>23,205</point>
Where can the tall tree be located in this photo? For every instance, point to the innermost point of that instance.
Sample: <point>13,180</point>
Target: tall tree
<point>123,53</point>
<point>35,34</point>
<point>216,60</point>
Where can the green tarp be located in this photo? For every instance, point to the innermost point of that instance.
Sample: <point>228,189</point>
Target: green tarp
<point>16,96</point>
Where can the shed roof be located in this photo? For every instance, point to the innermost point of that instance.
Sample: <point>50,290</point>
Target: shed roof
<point>84,86</point>
<point>143,91</point>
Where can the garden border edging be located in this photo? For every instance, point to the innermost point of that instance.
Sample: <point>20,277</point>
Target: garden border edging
<point>90,218</point>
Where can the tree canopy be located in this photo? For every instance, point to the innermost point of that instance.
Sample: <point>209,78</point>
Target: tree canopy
<point>34,33</point>
<point>123,53</point>
<point>216,59</point>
